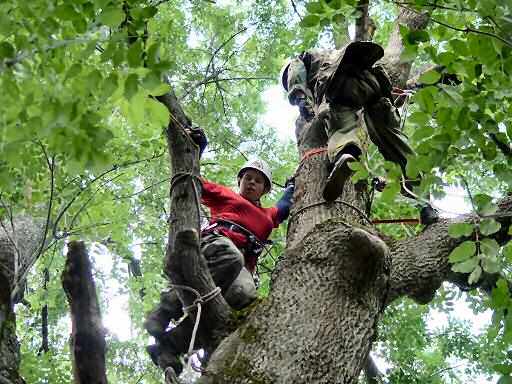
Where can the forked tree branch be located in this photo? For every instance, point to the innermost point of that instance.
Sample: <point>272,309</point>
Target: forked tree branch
<point>184,264</point>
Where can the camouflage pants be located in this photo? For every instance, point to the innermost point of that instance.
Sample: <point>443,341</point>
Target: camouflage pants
<point>343,125</point>
<point>226,265</point>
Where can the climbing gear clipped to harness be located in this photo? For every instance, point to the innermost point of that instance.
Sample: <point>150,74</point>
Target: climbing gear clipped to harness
<point>254,246</point>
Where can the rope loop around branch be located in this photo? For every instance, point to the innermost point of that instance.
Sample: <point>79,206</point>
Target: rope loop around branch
<point>342,202</point>
<point>200,299</point>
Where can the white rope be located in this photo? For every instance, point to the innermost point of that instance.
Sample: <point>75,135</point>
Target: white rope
<point>186,310</point>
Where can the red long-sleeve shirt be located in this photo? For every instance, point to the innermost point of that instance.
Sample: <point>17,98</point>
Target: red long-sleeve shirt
<point>229,205</point>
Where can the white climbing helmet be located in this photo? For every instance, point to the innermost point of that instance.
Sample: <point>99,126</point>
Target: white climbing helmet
<point>261,166</point>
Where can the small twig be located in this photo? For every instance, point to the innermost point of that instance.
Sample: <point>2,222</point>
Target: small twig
<point>465,30</point>
<point>466,186</point>
<point>295,9</point>
<point>142,190</point>
<point>237,149</point>
<point>446,369</point>
<point>436,6</point>
<point>115,167</point>
<point>86,203</point>
<point>222,46</point>
<point>211,80</point>
<point>51,167</point>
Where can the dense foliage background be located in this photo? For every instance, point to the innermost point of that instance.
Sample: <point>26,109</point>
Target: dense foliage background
<point>83,151</point>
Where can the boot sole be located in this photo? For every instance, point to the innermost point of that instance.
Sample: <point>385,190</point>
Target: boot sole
<point>337,179</point>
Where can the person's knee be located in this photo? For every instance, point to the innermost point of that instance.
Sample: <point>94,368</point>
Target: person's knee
<point>242,291</point>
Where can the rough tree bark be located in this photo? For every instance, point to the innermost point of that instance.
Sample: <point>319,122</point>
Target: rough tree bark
<point>400,70</point>
<point>88,334</point>
<point>184,264</point>
<point>20,241</point>
<point>330,286</point>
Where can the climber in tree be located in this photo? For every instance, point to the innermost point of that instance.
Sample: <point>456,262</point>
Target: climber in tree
<point>336,90</point>
<point>236,235</point>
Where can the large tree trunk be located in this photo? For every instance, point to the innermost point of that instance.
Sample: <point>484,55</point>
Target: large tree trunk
<point>20,241</point>
<point>327,293</point>
<point>88,334</point>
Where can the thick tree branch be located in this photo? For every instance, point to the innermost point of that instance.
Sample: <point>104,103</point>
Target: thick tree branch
<point>184,263</point>
<point>398,70</point>
<point>420,264</point>
<point>364,28</point>
<point>88,334</point>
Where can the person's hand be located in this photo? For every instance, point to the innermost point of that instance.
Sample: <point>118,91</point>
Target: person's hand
<point>198,137</point>
<point>290,181</point>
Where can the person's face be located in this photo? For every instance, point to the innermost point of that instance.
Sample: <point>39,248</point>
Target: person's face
<point>252,185</point>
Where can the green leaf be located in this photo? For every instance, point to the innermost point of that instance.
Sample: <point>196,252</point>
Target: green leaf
<point>112,17</point>
<point>466,266</point>
<point>315,7</point>
<point>153,83</point>
<point>131,85</point>
<point>66,12</point>
<point>415,37</point>
<point>7,51</point>
<point>310,21</point>
<point>500,295</point>
<point>333,4</point>
<point>505,380</point>
<point>134,54</point>
<point>137,107</point>
<point>490,247</point>
<point>425,98</point>
<point>158,112</point>
<point>463,252</point>
<point>460,230</point>
<point>490,264</point>
<point>504,369</point>
<point>475,275</point>
<point>430,77</point>
<point>149,12</point>
<point>455,97</point>
<point>507,251</point>
<point>489,226</point>
<point>338,19</point>
<point>389,193</point>
<point>110,85</point>
<point>484,205</point>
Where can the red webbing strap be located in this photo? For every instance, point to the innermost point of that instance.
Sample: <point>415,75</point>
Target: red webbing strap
<point>312,152</point>
<point>393,221</point>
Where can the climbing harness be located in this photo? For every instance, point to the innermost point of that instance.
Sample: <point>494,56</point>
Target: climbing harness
<point>254,245</point>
